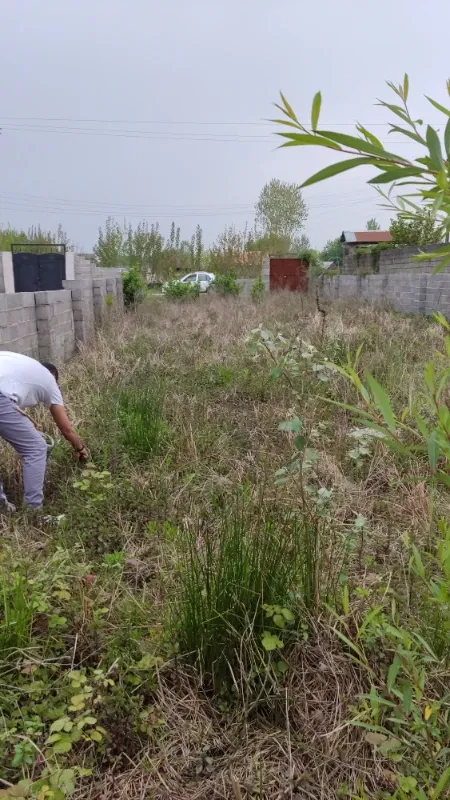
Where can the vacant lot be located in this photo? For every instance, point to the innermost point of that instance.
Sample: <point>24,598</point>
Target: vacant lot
<point>204,609</point>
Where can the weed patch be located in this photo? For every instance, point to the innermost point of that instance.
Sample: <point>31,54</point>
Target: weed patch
<point>244,554</point>
<point>140,414</point>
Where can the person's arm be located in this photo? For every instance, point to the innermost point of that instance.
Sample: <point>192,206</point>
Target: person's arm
<point>65,426</point>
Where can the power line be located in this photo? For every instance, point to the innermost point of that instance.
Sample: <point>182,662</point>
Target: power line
<point>160,135</point>
<point>71,129</point>
<point>141,207</point>
<point>17,206</point>
<point>151,135</point>
<point>184,122</point>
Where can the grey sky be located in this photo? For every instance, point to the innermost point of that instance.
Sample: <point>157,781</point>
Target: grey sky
<point>178,62</point>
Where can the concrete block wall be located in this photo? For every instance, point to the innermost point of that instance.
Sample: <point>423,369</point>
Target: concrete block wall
<point>55,325</point>
<point>83,269</point>
<point>265,272</point>
<point>396,259</point>
<point>406,292</point>
<point>119,292</point>
<point>48,325</point>
<point>245,285</point>
<point>401,259</point>
<point>438,294</point>
<point>6,272</point>
<point>18,328</point>
<point>100,306</point>
<point>82,309</point>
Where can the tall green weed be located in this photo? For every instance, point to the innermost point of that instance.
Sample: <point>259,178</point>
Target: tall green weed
<point>240,585</point>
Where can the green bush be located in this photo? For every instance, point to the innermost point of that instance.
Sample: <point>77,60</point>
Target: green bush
<point>419,231</point>
<point>133,286</point>
<point>226,284</point>
<point>141,421</point>
<point>182,291</point>
<point>258,289</point>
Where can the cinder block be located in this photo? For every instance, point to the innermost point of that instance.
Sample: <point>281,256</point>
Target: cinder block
<point>27,299</point>
<point>45,353</point>
<point>55,296</point>
<point>44,325</point>
<point>14,316</point>
<point>29,313</point>
<point>14,345</point>
<point>44,312</point>
<point>13,301</point>
<point>45,339</point>
<point>42,298</point>
<point>28,328</point>
<point>5,337</point>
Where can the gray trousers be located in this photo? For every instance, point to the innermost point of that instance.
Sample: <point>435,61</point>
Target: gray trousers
<point>19,432</point>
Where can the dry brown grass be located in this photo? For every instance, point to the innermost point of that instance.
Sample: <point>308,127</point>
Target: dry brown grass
<point>304,749</point>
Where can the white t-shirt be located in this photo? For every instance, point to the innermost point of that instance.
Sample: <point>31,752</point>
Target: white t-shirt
<point>27,382</point>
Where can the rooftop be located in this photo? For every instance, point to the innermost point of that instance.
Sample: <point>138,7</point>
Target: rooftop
<point>365,237</point>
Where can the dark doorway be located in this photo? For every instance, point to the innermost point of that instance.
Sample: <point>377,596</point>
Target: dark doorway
<point>288,273</point>
<point>38,268</point>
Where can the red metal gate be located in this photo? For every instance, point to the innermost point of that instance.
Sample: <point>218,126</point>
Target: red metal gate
<point>288,273</point>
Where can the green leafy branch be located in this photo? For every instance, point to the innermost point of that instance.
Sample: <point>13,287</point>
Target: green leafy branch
<point>411,433</point>
<point>429,174</point>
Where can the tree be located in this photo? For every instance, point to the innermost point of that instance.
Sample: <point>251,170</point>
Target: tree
<point>417,231</point>
<point>280,210</point>
<point>198,248</point>
<point>108,251</point>
<point>236,251</point>
<point>428,174</point>
<point>301,243</point>
<point>171,242</point>
<point>34,235</point>
<point>275,245</point>
<point>121,246</point>
<point>333,251</point>
<point>373,225</point>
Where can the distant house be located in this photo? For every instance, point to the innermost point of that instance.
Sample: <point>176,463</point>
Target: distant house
<point>357,238</point>
<point>353,239</point>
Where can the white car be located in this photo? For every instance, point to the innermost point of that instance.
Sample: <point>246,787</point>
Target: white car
<point>203,279</point>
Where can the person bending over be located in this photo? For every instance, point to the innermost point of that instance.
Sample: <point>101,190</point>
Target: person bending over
<point>24,383</point>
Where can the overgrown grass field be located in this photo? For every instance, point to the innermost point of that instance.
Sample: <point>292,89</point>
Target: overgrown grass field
<point>246,594</point>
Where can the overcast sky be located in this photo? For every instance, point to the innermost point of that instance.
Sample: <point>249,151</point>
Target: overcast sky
<point>150,89</point>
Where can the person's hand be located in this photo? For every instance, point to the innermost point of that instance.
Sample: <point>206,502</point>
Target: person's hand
<point>82,454</point>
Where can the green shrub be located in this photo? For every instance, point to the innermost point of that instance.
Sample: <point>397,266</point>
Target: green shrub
<point>258,289</point>
<point>419,231</point>
<point>133,286</point>
<point>226,284</point>
<point>141,421</point>
<point>406,655</point>
<point>182,291</point>
<point>238,585</point>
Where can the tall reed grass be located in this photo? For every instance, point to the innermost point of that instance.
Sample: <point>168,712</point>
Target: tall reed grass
<point>140,413</point>
<point>253,559</point>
